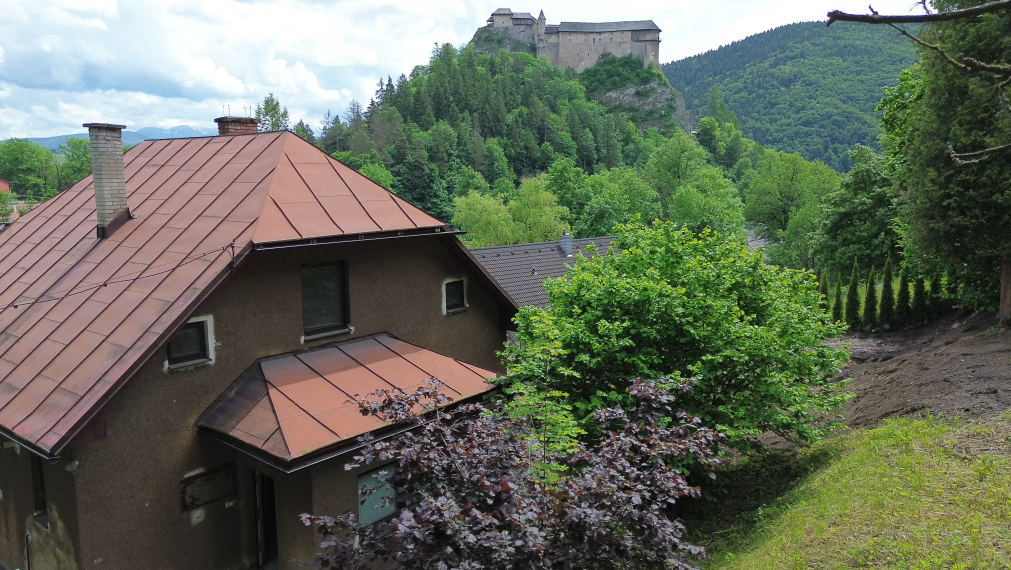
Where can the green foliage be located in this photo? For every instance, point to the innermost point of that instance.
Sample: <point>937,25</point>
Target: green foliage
<point>823,289</point>
<point>782,185</point>
<point>870,313</point>
<point>919,306</point>
<point>618,196</point>
<point>486,219</point>
<point>853,298</point>
<point>303,130</point>
<point>903,314</point>
<point>73,161</point>
<point>272,116</point>
<point>535,211</point>
<point>7,204</point>
<point>552,430</point>
<point>837,304</point>
<point>378,174</point>
<point>801,88</point>
<point>667,303</point>
<point>887,310</point>
<point>616,72</point>
<point>707,200</point>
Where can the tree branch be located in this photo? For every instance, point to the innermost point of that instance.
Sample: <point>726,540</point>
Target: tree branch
<point>964,158</point>
<point>875,18</point>
<point>967,65</point>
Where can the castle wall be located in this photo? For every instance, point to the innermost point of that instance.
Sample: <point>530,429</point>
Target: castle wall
<point>581,50</point>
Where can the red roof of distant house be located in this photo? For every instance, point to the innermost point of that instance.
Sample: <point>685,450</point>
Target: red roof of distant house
<point>4,185</point>
<point>289,406</point>
<point>80,315</point>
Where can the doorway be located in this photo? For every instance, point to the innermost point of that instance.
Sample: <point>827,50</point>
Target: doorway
<point>266,522</point>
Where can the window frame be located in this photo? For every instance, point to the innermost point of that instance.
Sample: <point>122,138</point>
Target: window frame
<point>336,329</point>
<point>446,310</point>
<point>204,324</point>
<point>394,507</point>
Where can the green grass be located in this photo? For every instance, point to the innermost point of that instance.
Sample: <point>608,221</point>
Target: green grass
<point>911,494</point>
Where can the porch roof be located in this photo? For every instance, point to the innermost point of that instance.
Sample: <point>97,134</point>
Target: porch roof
<point>299,405</point>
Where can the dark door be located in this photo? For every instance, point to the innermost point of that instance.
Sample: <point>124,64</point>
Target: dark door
<point>266,521</point>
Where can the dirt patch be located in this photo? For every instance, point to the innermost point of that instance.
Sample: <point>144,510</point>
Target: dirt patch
<point>955,367</point>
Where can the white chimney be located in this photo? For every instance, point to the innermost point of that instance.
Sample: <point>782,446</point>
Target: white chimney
<point>565,242</point>
<point>109,176</point>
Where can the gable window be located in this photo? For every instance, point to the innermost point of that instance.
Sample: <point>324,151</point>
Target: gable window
<point>324,299</point>
<point>191,345</point>
<point>380,501</point>
<point>454,295</point>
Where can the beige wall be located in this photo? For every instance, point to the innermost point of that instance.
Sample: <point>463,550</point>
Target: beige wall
<point>581,50</point>
<point>128,484</point>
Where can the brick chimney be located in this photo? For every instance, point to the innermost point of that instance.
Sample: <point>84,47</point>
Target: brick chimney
<point>236,126</point>
<point>109,176</point>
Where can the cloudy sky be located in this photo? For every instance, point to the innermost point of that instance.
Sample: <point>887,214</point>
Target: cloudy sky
<point>163,63</point>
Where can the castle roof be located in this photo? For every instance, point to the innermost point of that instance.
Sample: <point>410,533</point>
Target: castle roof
<point>639,25</point>
<point>522,16</point>
<point>502,12</point>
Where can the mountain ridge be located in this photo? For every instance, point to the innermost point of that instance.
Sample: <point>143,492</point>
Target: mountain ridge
<point>131,138</point>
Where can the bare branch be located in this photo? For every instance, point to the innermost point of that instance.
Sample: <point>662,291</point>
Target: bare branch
<point>964,158</point>
<point>875,18</point>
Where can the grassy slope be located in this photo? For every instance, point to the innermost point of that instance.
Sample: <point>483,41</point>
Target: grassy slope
<point>802,87</point>
<point>908,494</point>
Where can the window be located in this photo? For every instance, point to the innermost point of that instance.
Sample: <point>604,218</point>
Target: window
<point>324,299</point>
<point>454,295</point>
<point>189,346</point>
<point>39,493</point>
<point>382,502</point>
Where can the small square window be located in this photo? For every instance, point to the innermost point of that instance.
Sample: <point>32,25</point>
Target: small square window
<point>324,299</point>
<point>455,295</point>
<point>382,503</point>
<point>189,345</point>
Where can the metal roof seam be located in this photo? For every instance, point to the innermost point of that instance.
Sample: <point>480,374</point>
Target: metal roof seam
<point>315,197</point>
<point>330,161</point>
<point>285,216</point>
<point>323,376</point>
<point>362,364</point>
<point>297,405</point>
<point>435,376</point>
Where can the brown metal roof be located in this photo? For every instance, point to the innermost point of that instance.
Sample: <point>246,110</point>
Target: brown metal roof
<point>297,404</point>
<point>513,266</point>
<point>80,315</point>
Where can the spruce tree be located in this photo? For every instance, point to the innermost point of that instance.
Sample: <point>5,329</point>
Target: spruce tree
<point>823,284</point>
<point>902,316</point>
<point>934,301</point>
<point>886,312</point>
<point>870,317</point>
<point>853,298</point>
<point>837,301</point>
<point>919,309</point>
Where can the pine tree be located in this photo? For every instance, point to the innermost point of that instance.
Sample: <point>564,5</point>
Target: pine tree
<point>870,317</point>
<point>902,315</point>
<point>919,308</point>
<point>886,312</point>
<point>837,301</point>
<point>823,282</point>
<point>934,301</point>
<point>853,298</point>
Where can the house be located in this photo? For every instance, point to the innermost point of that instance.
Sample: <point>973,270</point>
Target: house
<point>522,268</point>
<point>182,334</point>
<point>4,185</point>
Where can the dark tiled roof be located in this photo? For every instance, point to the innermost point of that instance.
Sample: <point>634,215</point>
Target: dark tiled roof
<point>639,25</point>
<point>512,266</point>
<point>502,12</point>
<point>81,315</point>
<point>295,404</point>
<point>522,16</point>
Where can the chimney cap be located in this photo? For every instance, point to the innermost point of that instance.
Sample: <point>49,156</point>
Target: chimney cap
<point>236,120</point>
<point>103,126</point>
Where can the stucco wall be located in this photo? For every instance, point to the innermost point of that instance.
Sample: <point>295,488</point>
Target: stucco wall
<point>581,50</point>
<point>128,484</point>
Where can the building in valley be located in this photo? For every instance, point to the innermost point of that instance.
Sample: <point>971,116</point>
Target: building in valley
<point>580,45</point>
<point>182,333</point>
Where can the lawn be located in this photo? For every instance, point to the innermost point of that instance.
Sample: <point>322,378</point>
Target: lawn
<point>908,494</point>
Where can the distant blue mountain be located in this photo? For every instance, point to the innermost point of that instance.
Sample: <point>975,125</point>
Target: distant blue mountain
<point>131,138</point>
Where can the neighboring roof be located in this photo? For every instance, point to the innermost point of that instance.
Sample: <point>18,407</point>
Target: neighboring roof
<point>522,16</point>
<point>512,266</point>
<point>4,185</point>
<point>81,315</point>
<point>639,25</point>
<point>300,404</point>
<point>551,29</point>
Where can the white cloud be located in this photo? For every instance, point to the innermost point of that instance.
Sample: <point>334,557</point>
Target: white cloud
<point>172,62</point>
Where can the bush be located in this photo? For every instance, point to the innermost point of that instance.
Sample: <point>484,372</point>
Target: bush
<point>887,310</point>
<point>902,309</point>
<point>853,298</point>
<point>870,317</point>
<point>669,303</point>
<point>476,496</point>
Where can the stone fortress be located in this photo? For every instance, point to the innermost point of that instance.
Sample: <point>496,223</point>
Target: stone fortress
<point>580,45</point>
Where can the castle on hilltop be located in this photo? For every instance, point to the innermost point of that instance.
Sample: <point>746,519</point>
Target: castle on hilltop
<point>580,45</point>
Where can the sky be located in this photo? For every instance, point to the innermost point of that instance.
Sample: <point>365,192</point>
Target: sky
<point>164,63</point>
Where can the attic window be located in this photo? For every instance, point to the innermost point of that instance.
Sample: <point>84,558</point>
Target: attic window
<point>190,345</point>
<point>454,295</point>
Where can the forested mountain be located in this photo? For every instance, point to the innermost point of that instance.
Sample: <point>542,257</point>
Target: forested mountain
<point>131,138</point>
<point>803,87</point>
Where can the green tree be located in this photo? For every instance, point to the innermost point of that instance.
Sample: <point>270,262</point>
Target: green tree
<point>272,116</point>
<point>887,310</point>
<point>783,185</point>
<point>667,303</point>
<point>671,165</point>
<point>707,200</point>
<point>903,315</point>
<point>74,160</point>
<point>870,316</point>
<point>379,174</point>
<point>568,183</point>
<point>619,196</point>
<point>486,219</point>
<point>853,298</point>
<point>837,305</point>
<point>919,306</point>
<point>823,289</point>
<point>535,210</point>
<point>303,130</point>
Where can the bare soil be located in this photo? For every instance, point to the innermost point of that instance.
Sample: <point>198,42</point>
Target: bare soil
<point>956,367</point>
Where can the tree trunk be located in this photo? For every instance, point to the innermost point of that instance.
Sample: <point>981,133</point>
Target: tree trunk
<point>1005,292</point>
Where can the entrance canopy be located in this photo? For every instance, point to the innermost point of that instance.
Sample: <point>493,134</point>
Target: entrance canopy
<point>299,405</point>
